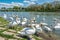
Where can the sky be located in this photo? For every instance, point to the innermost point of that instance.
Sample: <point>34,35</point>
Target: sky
<point>11,3</point>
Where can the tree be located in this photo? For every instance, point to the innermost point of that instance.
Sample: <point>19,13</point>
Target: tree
<point>48,7</point>
<point>3,8</point>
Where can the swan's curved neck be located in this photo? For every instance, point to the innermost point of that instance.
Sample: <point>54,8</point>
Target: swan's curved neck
<point>33,27</point>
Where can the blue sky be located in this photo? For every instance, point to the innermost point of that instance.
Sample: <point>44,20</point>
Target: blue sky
<point>10,3</point>
<point>39,1</point>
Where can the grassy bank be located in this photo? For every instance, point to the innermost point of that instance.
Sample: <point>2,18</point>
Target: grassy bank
<point>42,36</point>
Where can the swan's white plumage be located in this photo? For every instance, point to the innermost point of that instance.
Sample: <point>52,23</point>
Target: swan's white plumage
<point>47,28</point>
<point>38,28</point>
<point>27,31</point>
<point>57,26</point>
<point>24,21</point>
<point>18,21</point>
<point>11,18</point>
<point>5,16</point>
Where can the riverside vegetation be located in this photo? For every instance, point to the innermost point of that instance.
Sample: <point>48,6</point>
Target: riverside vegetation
<point>46,7</point>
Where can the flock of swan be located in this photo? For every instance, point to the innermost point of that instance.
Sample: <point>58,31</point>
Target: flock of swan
<point>32,28</point>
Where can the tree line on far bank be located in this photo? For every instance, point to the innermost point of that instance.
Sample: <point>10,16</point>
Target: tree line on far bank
<point>34,8</point>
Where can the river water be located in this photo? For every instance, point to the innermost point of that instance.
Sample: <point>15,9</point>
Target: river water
<point>49,16</point>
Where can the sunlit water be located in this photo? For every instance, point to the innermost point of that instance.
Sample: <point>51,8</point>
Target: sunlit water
<point>49,16</point>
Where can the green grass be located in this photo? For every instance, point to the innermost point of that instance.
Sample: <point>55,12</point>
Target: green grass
<point>16,27</point>
<point>3,22</point>
<point>2,31</point>
<point>4,35</point>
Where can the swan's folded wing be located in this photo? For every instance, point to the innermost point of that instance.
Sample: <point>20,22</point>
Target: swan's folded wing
<point>30,31</point>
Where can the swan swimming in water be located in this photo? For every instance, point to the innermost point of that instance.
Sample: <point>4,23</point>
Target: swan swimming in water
<point>44,26</point>
<point>48,29</point>
<point>57,26</point>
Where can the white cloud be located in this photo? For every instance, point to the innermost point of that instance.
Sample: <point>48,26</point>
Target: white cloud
<point>17,4</point>
<point>34,0</point>
<point>4,4</point>
<point>25,1</point>
<point>32,3</point>
<point>7,5</point>
<point>29,2</point>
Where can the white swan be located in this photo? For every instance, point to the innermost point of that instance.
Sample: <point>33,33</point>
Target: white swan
<point>5,16</point>
<point>43,23</point>
<point>38,28</point>
<point>24,21</point>
<point>44,26</point>
<point>12,23</point>
<point>33,20</point>
<point>18,20</point>
<point>57,26</point>
<point>47,29</point>
<point>28,31</point>
<point>11,18</point>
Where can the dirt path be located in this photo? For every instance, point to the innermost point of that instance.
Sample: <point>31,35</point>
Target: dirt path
<point>1,38</point>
